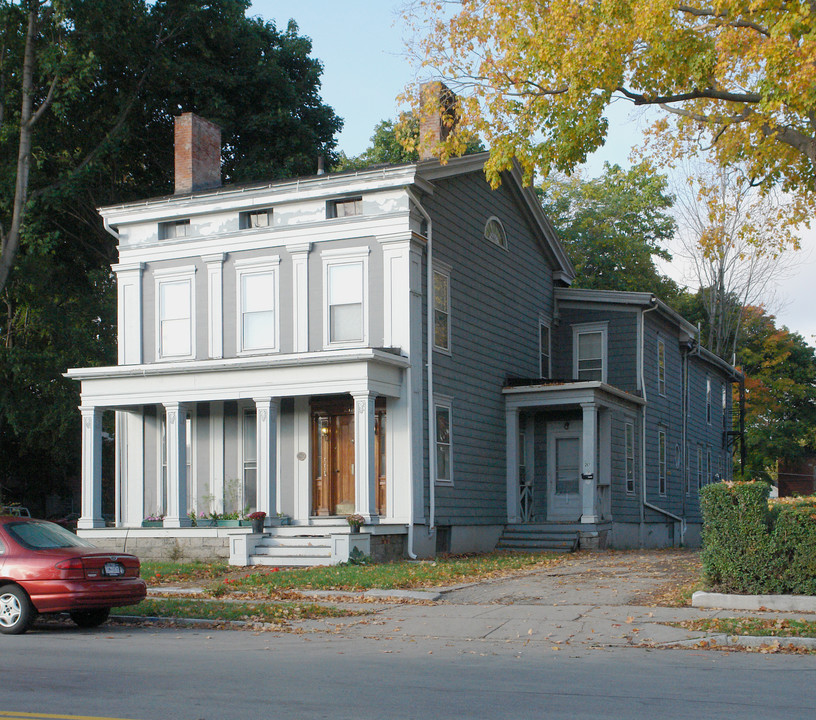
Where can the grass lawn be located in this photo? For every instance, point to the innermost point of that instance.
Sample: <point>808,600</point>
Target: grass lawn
<point>220,578</point>
<point>219,610</point>
<point>752,626</point>
<point>396,575</point>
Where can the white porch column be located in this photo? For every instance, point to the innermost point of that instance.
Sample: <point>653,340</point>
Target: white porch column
<point>266,427</point>
<point>300,295</point>
<point>511,443</point>
<point>216,490</point>
<point>588,470</point>
<point>176,424</point>
<point>365,498</point>
<point>91,468</point>
<point>215,305</point>
<point>130,467</point>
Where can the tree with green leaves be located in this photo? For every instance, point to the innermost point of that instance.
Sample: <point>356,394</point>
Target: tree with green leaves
<point>780,383</point>
<point>107,79</point>
<point>614,227</point>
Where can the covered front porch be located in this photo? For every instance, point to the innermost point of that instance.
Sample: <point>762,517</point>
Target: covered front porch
<point>570,446</point>
<point>309,436</point>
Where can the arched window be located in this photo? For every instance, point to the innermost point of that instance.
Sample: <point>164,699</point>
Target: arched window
<point>494,231</point>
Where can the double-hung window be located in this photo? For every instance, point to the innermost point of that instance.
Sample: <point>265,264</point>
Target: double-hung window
<point>441,309</point>
<point>699,467</point>
<point>661,367</point>
<point>589,351</point>
<point>708,400</point>
<point>629,438</point>
<point>257,303</point>
<point>661,461</point>
<point>544,349</point>
<point>345,280</point>
<point>175,313</point>
<point>442,433</point>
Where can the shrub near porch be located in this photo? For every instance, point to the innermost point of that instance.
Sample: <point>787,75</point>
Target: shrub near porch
<point>754,546</point>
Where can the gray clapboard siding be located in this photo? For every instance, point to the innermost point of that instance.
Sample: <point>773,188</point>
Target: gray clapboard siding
<point>497,297</point>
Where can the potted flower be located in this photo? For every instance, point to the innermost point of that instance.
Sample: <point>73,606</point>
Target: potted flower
<point>355,521</point>
<point>258,517</point>
<point>153,520</point>
<point>284,519</point>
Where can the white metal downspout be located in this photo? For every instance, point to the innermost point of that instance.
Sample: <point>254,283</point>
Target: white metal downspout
<point>429,362</point>
<point>646,503</point>
<point>109,229</point>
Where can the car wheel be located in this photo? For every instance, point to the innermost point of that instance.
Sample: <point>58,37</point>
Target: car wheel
<point>90,618</point>
<point>16,611</point>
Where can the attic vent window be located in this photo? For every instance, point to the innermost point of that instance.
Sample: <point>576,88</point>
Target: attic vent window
<point>174,229</point>
<point>345,207</point>
<point>255,219</point>
<point>494,231</point>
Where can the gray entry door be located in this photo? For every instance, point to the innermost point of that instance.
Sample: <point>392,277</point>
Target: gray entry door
<point>564,473</point>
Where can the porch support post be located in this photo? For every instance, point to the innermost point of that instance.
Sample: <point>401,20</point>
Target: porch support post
<point>512,428</point>
<point>176,424</point>
<point>364,480</point>
<point>588,469</point>
<point>266,426</point>
<point>91,468</point>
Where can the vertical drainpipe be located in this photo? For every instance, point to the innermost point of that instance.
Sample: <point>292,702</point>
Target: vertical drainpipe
<point>429,362</point>
<point>653,302</point>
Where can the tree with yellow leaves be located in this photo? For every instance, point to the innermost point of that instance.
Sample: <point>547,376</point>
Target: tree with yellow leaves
<point>535,77</point>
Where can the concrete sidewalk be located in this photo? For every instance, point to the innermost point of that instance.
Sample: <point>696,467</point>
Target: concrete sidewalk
<point>594,600</point>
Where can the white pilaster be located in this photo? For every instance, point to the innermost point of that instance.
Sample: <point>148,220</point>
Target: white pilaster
<point>588,470</point>
<point>364,476</point>
<point>176,466</point>
<point>512,430</point>
<point>300,296</point>
<point>215,305</point>
<point>266,426</point>
<point>91,468</point>
<point>216,490</point>
<point>129,314</point>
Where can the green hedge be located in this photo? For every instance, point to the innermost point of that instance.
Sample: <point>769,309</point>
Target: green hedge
<point>752,547</point>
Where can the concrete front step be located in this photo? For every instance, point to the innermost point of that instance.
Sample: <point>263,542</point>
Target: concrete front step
<point>538,538</point>
<point>294,542</point>
<point>289,560</point>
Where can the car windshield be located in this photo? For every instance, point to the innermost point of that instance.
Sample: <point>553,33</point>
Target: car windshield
<point>43,536</point>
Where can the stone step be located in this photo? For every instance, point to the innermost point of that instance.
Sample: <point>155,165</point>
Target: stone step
<point>294,542</point>
<point>294,550</point>
<point>533,545</point>
<point>288,560</point>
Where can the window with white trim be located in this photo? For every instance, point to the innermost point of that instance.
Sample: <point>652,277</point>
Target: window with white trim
<point>494,232</point>
<point>174,229</point>
<point>344,207</point>
<point>708,399</point>
<point>629,441</point>
<point>708,477</point>
<point>441,309</point>
<point>589,351</point>
<point>699,467</point>
<point>249,468</point>
<point>442,434</point>
<point>345,280</point>
<point>724,407</point>
<point>661,461</point>
<point>255,219</point>
<point>544,349</point>
<point>257,304</point>
<point>189,478</point>
<point>175,314</point>
<point>661,367</point>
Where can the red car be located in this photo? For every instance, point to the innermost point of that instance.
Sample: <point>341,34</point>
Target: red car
<point>46,569</point>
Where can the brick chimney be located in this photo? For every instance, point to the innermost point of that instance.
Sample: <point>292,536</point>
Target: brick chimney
<point>437,116</point>
<point>198,154</point>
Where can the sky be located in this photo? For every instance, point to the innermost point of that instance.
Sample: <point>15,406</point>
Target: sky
<point>361,44</point>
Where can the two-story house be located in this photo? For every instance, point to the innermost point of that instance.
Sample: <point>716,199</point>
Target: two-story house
<point>384,342</point>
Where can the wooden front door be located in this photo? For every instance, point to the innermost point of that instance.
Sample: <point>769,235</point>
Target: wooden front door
<point>333,476</point>
<point>333,463</point>
<point>564,473</point>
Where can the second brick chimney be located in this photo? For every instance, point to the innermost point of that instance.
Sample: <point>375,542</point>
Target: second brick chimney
<point>198,154</point>
<point>437,117</point>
